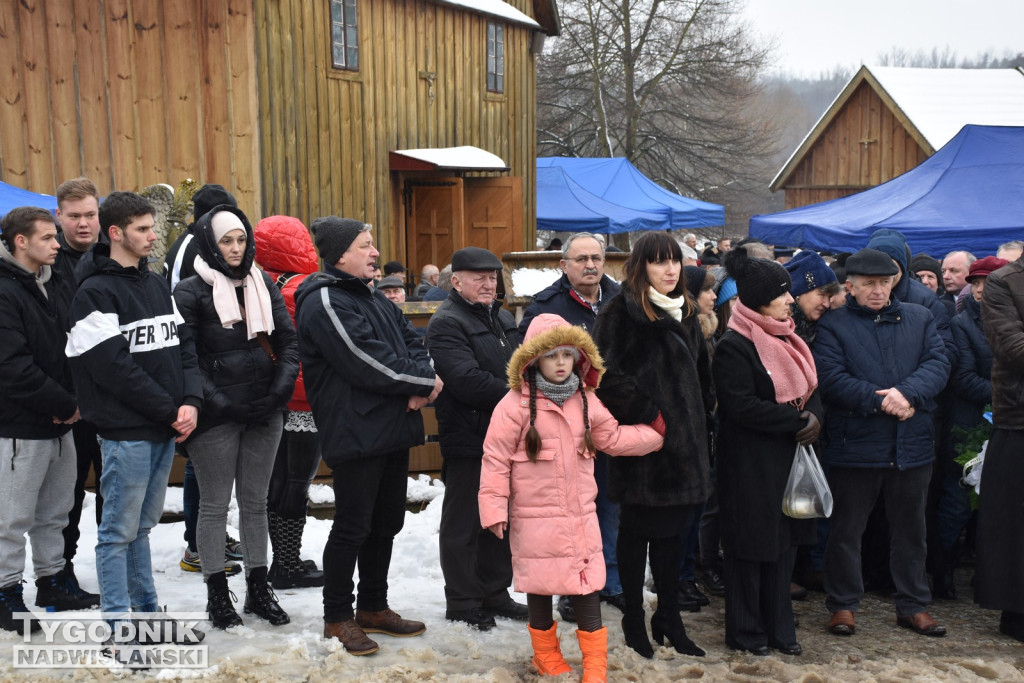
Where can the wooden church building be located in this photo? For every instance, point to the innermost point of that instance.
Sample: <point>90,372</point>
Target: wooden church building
<point>887,120</point>
<point>418,116</point>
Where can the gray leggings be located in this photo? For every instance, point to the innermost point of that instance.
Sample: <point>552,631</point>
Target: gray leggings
<point>241,455</point>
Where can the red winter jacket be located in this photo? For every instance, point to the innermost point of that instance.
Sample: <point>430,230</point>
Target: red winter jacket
<point>285,252</point>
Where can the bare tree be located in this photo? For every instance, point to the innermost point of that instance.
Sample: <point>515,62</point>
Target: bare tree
<point>668,84</point>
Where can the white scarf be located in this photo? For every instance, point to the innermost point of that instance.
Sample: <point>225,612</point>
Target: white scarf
<point>259,315</point>
<point>674,307</point>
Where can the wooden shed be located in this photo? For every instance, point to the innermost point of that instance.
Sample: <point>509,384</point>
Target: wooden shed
<point>299,107</point>
<point>887,120</point>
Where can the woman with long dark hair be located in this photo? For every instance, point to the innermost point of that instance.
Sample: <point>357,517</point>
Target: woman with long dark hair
<point>249,359</point>
<point>657,360</point>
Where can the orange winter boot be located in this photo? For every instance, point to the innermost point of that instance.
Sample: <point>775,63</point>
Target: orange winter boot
<point>594,646</point>
<point>547,655</point>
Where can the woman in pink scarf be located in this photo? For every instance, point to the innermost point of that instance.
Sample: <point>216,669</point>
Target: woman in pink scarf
<point>766,384</point>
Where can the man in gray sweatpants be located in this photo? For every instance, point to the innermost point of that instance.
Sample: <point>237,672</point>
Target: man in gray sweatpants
<point>37,409</point>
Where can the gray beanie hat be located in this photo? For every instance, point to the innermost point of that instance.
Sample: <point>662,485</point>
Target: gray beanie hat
<point>333,235</point>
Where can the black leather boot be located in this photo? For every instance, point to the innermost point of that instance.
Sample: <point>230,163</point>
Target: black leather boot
<point>288,569</point>
<point>219,599</point>
<point>260,599</point>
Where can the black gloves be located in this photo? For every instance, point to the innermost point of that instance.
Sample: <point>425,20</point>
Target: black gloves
<point>809,434</point>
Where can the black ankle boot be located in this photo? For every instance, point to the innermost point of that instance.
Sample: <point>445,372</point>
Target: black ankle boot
<point>669,625</point>
<point>260,599</point>
<point>634,628</point>
<point>219,599</point>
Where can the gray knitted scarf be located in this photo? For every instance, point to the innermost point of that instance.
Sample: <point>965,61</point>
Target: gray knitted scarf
<point>559,393</point>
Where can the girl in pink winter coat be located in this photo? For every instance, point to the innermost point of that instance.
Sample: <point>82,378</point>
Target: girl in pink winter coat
<point>537,483</point>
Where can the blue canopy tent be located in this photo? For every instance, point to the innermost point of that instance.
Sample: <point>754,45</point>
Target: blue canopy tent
<point>12,197</point>
<point>564,206</point>
<point>968,195</point>
<point>618,182</point>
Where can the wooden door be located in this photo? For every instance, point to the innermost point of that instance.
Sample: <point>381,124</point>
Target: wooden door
<point>494,214</point>
<point>434,221</point>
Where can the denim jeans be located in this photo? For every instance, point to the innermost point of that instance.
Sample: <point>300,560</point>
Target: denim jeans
<point>134,485</point>
<point>608,521</point>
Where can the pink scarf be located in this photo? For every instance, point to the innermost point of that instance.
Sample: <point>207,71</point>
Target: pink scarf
<point>784,354</point>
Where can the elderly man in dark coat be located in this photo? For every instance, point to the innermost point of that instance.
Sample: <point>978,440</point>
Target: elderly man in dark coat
<point>880,367</point>
<point>471,339</point>
<point>577,297</point>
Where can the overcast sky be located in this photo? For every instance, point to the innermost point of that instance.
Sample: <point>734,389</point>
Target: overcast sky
<point>812,36</point>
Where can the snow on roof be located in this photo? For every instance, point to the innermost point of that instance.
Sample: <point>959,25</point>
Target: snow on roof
<point>939,102</point>
<point>496,8</point>
<point>465,157</point>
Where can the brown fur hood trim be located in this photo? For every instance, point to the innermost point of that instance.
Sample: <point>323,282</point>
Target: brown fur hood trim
<point>548,331</point>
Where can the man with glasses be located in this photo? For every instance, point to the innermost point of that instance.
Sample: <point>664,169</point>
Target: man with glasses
<point>577,296</point>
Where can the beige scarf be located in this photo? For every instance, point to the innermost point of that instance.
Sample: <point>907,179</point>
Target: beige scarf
<point>674,307</point>
<point>259,315</point>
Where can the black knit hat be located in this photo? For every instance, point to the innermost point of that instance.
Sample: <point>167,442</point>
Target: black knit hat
<point>871,262</point>
<point>333,235</point>
<point>695,278</point>
<point>926,262</point>
<point>209,196</point>
<point>758,281</point>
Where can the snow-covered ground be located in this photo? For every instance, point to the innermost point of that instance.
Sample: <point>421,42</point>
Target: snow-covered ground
<point>452,652</point>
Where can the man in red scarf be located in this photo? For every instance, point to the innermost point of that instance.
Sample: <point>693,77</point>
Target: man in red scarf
<point>880,366</point>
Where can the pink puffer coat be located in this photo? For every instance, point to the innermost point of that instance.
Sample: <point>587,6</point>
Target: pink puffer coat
<point>549,503</point>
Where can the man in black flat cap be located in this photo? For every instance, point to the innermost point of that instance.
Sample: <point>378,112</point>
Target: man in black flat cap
<point>471,339</point>
<point>880,366</point>
<point>367,375</point>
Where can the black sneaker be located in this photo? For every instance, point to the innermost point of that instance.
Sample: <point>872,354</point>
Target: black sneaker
<point>232,549</point>
<point>713,582</point>
<point>565,609</point>
<point>509,609</point>
<point>60,592</point>
<point>477,617</point>
<point>617,601</point>
<point>12,603</point>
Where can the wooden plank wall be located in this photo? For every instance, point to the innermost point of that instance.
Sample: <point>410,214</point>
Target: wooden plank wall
<point>129,93</point>
<point>865,145</point>
<point>325,133</point>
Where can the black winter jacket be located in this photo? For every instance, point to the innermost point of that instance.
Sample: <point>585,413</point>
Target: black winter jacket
<point>1002,316</point>
<point>972,377</point>
<point>471,345</point>
<point>236,370</point>
<point>557,298</point>
<point>361,362</point>
<point>132,355</point>
<point>653,366</point>
<point>858,352</point>
<point>178,264</point>
<point>754,453</point>
<point>35,384</point>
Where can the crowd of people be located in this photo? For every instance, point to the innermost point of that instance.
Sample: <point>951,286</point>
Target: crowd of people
<point>618,425</point>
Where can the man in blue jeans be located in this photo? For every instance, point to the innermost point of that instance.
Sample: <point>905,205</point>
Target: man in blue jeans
<point>138,381</point>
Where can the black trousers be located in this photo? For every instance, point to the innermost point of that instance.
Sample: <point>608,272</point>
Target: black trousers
<point>369,511</point>
<point>854,491</point>
<point>477,565</point>
<point>758,608</point>
<point>88,452</point>
<point>298,457</point>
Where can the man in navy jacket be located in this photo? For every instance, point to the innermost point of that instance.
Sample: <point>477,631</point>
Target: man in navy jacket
<point>880,366</point>
<point>367,375</point>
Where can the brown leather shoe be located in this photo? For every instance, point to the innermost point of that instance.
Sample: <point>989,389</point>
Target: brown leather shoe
<point>842,623</point>
<point>923,624</point>
<point>351,636</point>
<point>388,623</point>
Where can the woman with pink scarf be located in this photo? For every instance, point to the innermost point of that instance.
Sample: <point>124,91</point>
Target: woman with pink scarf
<point>766,383</point>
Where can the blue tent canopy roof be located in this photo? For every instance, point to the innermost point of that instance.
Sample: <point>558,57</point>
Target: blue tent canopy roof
<point>564,206</point>
<point>619,184</point>
<point>968,195</point>
<point>12,197</point>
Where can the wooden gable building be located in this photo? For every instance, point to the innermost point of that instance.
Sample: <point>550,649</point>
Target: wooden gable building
<point>299,107</point>
<point>887,120</point>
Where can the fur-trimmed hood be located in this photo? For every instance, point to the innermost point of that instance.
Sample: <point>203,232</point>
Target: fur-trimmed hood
<point>546,332</point>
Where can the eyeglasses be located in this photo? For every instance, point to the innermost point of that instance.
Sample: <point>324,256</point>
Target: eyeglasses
<point>583,260</point>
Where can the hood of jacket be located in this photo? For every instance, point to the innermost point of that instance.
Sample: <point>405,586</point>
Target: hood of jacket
<point>893,243</point>
<point>97,260</point>
<point>548,331</point>
<point>283,245</point>
<point>18,271</point>
<point>206,245</point>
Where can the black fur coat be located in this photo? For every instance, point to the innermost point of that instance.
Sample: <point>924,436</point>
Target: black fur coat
<point>652,366</point>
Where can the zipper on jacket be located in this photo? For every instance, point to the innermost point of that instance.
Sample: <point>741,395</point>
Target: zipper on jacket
<point>14,452</point>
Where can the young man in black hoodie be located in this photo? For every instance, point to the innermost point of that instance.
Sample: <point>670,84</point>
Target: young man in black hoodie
<point>138,381</point>
<point>37,409</point>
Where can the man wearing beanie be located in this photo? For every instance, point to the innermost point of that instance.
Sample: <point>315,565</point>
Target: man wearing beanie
<point>880,367</point>
<point>367,375</point>
<point>181,257</point>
